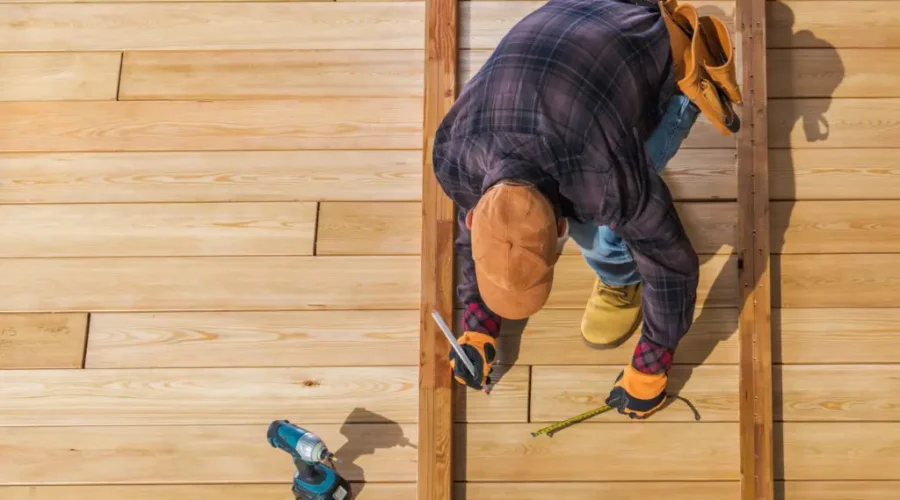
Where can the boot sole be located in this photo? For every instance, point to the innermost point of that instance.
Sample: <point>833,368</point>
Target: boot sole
<point>621,340</point>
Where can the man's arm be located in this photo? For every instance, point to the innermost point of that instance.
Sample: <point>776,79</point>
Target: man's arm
<point>477,317</point>
<point>669,268</point>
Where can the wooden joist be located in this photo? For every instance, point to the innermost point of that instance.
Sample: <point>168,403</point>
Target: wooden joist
<point>211,176</point>
<point>435,461</point>
<point>309,123</point>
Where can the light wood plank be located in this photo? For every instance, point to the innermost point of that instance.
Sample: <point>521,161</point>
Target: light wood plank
<point>836,335</point>
<point>249,339</point>
<point>558,392</point>
<point>553,337</point>
<point>230,454</point>
<point>840,490</point>
<point>488,21</point>
<point>839,451</point>
<point>834,280</point>
<point>183,283</point>
<point>63,76</point>
<point>211,26</point>
<point>573,280</point>
<point>828,72</point>
<point>711,227</point>
<point>507,402</point>
<point>808,174</point>
<point>207,396</point>
<point>42,340</point>
<point>622,490</point>
<point>271,74</point>
<point>816,24</point>
<point>838,393</point>
<point>157,229</point>
<point>813,227</point>
<point>365,491</point>
<point>702,174</point>
<point>848,123</point>
<point>314,123</point>
<point>369,229</point>
<point>507,452</point>
<point>210,176</point>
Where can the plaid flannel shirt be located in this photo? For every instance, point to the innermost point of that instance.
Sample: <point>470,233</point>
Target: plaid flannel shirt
<point>566,102</point>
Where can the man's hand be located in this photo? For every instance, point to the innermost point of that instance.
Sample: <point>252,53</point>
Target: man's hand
<point>481,349</point>
<point>638,394</point>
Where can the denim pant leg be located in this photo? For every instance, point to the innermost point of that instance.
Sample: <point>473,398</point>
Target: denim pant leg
<point>605,252</point>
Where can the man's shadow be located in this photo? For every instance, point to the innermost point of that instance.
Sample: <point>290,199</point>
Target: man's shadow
<point>362,440</point>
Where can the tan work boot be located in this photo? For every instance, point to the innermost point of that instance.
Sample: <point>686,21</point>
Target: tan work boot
<point>612,315</point>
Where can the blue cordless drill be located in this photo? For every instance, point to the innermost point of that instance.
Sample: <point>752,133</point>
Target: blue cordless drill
<point>314,480</point>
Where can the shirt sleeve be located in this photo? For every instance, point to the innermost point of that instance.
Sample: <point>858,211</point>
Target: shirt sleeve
<point>665,258</point>
<point>477,317</point>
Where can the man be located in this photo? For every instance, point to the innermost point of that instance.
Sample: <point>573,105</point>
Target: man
<point>564,131</point>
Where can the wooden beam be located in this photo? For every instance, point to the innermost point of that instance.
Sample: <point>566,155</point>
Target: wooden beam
<point>435,460</point>
<point>756,442</point>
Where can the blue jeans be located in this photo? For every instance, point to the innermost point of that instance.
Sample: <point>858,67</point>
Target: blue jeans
<point>605,252</point>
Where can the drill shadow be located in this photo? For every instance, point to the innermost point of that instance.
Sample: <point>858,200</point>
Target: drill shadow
<point>362,440</point>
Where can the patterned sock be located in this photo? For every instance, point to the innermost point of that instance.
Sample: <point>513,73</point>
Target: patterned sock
<point>478,318</point>
<point>651,358</point>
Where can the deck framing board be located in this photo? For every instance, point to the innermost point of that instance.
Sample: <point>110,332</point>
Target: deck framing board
<point>436,391</point>
<point>756,435</point>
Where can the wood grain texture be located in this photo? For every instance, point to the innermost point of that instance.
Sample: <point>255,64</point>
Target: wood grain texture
<point>183,283</point>
<point>839,490</point>
<point>42,340</point>
<point>365,228</point>
<point>66,76</point>
<point>507,452</point>
<point>828,72</point>
<point>851,123</point>
<point>573,280</point>
<point>828,174</point>
<point>210,176</point>
<point>507,402</point>
<point>435,475</point>
<point>170,454</point>
<point>249,339</point>
<point>711,227</point>
<point>824,24</point>
<point>702,174</point>
<point>836,335</point>
<point>211,26</point>
<point>157,229</point>
<point>180,75</point>
<point>838,393</point>
<point>313,123</point>
<point>488,21</point>
<point>553,337</point>
<point>371,491</point>
<point>558,392</point>
<point>813,227</point>
<point>839,451</point>
<point>624,490</point>
<point>834,280</point>
<point>194,396</point>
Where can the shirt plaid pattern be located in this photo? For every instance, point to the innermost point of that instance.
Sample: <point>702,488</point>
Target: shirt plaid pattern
<point>566,102</point>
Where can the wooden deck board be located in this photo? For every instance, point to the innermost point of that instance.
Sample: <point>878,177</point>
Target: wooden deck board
<point>370,491</point>
<point>60,76</point>
<point>42,340</point>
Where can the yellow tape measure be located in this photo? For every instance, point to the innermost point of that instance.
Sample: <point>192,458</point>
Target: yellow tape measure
<point>553,428</point>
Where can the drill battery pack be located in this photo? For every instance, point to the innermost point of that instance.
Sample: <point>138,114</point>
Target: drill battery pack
<point>319,482</point>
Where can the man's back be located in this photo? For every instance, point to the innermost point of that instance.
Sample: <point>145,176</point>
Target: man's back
<point>580,75</point>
